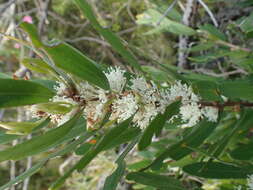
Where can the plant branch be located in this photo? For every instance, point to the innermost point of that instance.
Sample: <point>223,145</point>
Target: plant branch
<point>226,104</point>
<point>167,12</point>
<point>209,12</point>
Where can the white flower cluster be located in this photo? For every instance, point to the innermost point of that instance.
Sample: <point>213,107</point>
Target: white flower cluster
<point>191,111</point>
<point>138,98</point>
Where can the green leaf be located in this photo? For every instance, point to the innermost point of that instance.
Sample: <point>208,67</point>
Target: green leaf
<point>35,168</point>
<point>105,142</point>
<point>37,65</point>
<point>155,180</point>
<point>38,144</point>
<point>157,124</point>
<point>112,38</point>
<point>126,135</point>
<point>201,47</point>
<point>55,107</point>
<point>213,31</point>
<point>22,92</point>
<point>238,89</point>
<point>20,128</point>
<point>240,124</point>
<point>156,74</point>
<point>152,17</point>
<point>216,170</point>
<point>195,138</point>
<point>243,152</point>
<point>112,181</point>
<point>33,34</point>
<point>71,60</point>
<point>246,24</point>
<point>83,149</point>
<point>207,90</point>
<point>5,138</point>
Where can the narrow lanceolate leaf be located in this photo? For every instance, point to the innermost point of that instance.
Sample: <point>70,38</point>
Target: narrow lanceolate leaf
<point>37,65</point>
<point>240,124</point>
<point>35,168</point>
<point>243,152</point>
<point>216,170</point>
<point>112,181</point>
<point>38,144</point>
<point>157,124</point>
<point>73,61</point>
<point>194,139</point>
<point>236,90</point>
<point>20,127</point>
<point>33,34</point>
<point>105,142</point>
<point>21,92</point>
<point>5,138</point>
<point>155,180</point>
<point>69,59</point>
<point>113,39</point>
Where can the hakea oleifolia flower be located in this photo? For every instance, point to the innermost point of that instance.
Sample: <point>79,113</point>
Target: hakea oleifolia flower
<point>139,98</point>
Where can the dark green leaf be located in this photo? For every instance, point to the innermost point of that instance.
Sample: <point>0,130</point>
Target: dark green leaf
<point>33,34</point>
<point>83,149</point>
<point>105,141</point>
<point>35,168</point>
<point>112,181</point>
<point>207,90</point>
<point>5,138</point>
<point>243,152</point>
<point>194,139</point>
<point>155,180</point>
<point>127,135</point>
<point>239,89</point>
<point>39,143</point>
<point>71,60</point>
<point>22,92</point>
<point>216,170</point>
<point>157,124</point>
<point>223,143</point>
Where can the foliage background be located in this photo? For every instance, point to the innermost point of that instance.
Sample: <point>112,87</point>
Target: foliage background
<point>206,54</point>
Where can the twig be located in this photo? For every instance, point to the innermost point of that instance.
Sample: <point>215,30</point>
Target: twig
<point>233,47</point>
<point>225,74</point>
<point>44,10</point>
<point>28,166</point>
<point>209,13</point>
<point>13,167</point>
<point>6,6</point>
<point>166,12</point>
<point>226,104</point>
<point>183,40</point>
